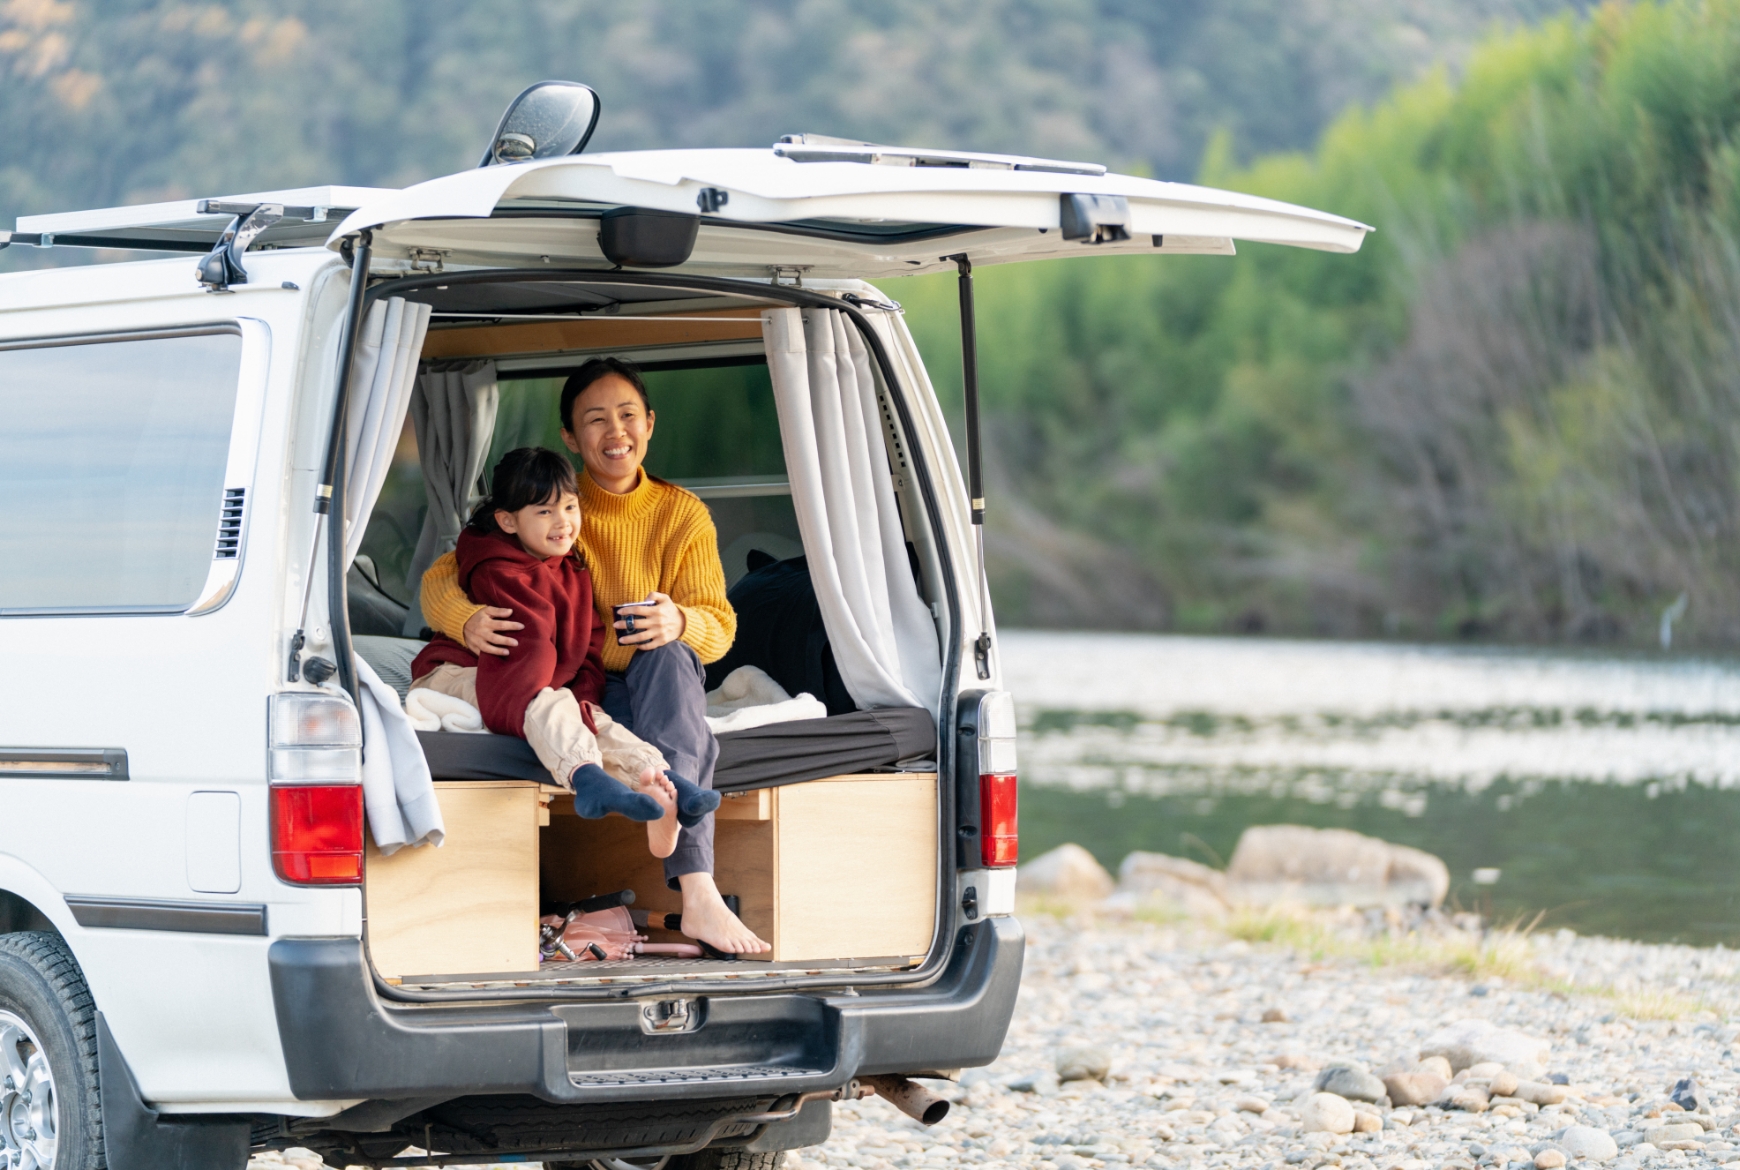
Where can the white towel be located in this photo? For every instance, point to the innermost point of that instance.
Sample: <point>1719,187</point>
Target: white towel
<point>398,792</point>
<point>749,697</point>
<point>433,711</point>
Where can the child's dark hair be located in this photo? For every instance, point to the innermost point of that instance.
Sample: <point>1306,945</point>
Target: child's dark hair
<point>589,373</point>
<point>527,476</point>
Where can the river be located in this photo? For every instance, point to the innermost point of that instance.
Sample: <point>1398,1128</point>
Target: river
<point>1603,789</point>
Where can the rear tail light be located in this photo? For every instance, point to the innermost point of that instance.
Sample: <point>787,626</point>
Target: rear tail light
<point>999,837</point>
<point>317,834</point>
<point>315,766</point>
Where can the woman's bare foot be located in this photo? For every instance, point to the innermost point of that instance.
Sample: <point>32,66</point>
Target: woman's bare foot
<point>707,918</point>
<point>661,835</point>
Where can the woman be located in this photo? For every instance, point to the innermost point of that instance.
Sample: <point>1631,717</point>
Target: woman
<point>652,545</point>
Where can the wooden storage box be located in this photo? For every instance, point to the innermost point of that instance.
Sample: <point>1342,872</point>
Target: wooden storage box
<point>471,905</point>
<point>842,868</point>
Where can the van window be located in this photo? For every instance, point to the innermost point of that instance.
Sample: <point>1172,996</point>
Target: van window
<point>112,455</point>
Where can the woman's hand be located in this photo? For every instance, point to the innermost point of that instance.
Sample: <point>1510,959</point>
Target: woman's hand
<point>485,631</point>
<point>657,622</point>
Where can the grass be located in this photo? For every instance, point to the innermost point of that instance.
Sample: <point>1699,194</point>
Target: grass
<point>1501,953</point>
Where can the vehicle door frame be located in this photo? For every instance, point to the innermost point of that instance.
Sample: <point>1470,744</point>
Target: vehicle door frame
<point>339,619</point>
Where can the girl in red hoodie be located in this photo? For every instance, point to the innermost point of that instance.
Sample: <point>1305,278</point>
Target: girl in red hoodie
<point>518,551</point>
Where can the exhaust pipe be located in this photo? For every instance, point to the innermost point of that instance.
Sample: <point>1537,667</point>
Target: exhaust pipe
<point>914,1100</point>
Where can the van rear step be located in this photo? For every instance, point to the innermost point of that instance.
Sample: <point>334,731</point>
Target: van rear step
<point>691,1076</point>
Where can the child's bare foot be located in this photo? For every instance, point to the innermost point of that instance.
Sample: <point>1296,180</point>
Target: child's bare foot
<point>661,835</point>
<point>707,918</point>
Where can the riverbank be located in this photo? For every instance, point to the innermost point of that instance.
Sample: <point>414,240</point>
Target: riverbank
<point>1202,1023</point>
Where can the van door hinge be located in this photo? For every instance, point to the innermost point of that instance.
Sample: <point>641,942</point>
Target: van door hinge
<point>430,260</point>
<point>795,271</point>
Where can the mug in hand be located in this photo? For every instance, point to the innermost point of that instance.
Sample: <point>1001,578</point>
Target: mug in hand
<point>626,613</point>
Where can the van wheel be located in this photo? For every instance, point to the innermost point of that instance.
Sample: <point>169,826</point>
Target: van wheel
<point>49,1116</point>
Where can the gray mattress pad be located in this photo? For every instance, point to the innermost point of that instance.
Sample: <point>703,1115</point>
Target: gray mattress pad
<point>756,757</point>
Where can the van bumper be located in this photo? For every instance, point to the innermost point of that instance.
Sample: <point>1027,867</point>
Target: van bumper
<point>342,1040</point>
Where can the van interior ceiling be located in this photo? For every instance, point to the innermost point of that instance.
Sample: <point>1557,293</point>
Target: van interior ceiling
<point>830,837</point>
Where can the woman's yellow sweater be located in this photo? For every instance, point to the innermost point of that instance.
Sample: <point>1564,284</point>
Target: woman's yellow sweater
<point>657,537</point>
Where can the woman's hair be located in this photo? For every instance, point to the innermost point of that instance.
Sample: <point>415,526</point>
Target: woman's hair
<point>589,373</point>
<point>527,476</point>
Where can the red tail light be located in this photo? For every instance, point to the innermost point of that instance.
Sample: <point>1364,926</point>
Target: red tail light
<point>999,835</point>
<point>317,834</point>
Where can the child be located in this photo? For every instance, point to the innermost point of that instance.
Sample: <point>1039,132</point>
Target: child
<point>518,550</point>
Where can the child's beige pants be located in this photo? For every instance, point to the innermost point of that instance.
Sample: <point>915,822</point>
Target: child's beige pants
<point>558,733</point>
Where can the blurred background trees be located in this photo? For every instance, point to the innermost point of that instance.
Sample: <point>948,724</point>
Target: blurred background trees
<point>1514,415</point>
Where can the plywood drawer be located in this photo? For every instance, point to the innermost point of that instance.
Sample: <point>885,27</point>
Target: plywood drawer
<point>469,906</point>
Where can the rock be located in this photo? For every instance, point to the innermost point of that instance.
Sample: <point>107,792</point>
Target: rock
<point>1466,1043</point>
<point>1690,1096</point>
<point>1189,885</point>
<point>1251,1105</point>
<point>1083,1064</point>
<point>1678,1131</point>
<point>1295,1060</point>
<point>1331,867</point>
<point>1503,1085</point>
<point>1043,1084</point>
<point>1436,1065</point>
<point>1415,1088</point>
<point>1069,871</point>
<point>1325,1113</point>
<point>1540,1093</point>
<point>1484,1071</point>
<point>1585,1141</point>
<point>1349,1081</point>
<point>1549,1160</point>
<point>1367,1122</point>
<point>1468,1098</point>
<point>1274,1016</point>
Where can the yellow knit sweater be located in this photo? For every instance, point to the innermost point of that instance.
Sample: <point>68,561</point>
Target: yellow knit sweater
<point>657,537</point>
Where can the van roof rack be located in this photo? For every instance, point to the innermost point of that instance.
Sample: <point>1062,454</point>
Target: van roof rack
<point>194,225</point>
<point>821,148</point>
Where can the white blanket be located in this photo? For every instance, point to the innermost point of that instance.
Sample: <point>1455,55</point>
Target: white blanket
<point>397,791</point>
<point>750,698</point>
<point>433,711</point>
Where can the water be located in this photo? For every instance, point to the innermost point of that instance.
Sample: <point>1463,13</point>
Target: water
<point>1604,789</point>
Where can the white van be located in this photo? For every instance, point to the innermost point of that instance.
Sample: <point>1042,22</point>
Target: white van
<point>233,919</point>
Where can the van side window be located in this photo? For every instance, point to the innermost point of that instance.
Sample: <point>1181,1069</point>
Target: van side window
<point>112,456</point>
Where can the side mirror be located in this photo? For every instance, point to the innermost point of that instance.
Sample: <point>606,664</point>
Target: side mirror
<point>547,120</point>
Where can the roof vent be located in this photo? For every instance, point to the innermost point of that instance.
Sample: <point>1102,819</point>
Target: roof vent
<point>821,148</point>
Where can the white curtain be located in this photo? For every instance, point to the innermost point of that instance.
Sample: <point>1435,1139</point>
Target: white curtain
<point>453,411</point>
<point>397,789</point>
<point>881,632</point>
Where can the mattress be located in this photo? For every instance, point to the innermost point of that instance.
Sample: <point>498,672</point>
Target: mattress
<point>757,757</point>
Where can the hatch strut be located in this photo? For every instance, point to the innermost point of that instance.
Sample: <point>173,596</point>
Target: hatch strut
<point>331,476</point>
<point>975,474</point>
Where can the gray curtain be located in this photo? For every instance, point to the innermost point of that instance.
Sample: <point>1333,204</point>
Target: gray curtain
<point>453,411</point>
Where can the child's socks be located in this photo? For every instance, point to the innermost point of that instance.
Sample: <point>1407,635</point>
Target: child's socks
<point>597,793</point>
<point>693,801</point>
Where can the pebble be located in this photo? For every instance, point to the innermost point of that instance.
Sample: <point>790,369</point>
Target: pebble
<point>1689,1095</point>
<point>1351,1082</point>
<point>1326,1113</point>
<point>1549,1160</point>
<point>1415,1088</point>
<point>1586,1141</point>
<point>1083,1064</point>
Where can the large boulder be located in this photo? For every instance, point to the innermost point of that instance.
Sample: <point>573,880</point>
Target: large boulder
<point>1466,1043</point>
<point>1191,886</point>
<point>1069,871</point>
<point>1331,867</point>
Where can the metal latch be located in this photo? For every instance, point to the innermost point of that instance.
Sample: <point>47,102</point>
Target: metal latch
<point>427,259</point>
<point>670,1017</point>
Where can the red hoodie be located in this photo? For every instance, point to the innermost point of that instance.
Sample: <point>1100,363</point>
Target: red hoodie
<point>562,643</point>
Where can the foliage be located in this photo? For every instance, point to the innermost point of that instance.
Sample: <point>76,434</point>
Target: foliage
<point>1511,415</point>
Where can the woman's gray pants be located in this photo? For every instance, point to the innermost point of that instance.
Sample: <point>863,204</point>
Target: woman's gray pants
<point>662,697</point>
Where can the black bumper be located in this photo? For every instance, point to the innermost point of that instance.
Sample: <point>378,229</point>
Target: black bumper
<point>341,1040</point>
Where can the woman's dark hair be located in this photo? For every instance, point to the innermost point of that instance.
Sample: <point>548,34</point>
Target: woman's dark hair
<point>589,373</point>
<point>530,475</point>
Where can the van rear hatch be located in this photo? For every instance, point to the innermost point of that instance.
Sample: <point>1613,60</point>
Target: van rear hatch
<point>822,211</point>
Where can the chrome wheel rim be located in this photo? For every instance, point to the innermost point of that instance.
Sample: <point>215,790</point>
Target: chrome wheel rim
<point>630,1164</point>
<point>29,1134</point>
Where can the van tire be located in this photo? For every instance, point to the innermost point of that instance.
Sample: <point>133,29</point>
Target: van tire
<point>41,984</point>
<point>729,1158</point>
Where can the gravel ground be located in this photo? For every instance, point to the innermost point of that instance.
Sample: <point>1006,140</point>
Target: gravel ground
<point>1211,1044</point>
